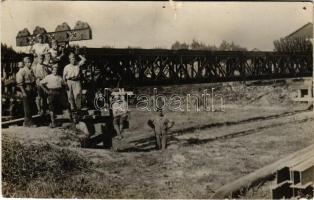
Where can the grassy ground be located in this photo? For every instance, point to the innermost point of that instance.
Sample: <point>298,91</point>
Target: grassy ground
<point>44,162</point>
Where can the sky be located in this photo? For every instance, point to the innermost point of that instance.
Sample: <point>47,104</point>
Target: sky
<point>160,24</point>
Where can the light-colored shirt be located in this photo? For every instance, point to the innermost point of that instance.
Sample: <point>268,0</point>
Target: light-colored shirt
<point>40,71</point>
<point>40,48</point>
<point>53,81</point>
<point>161,124</point>
<point>71,71</point>
<point>25,76</point>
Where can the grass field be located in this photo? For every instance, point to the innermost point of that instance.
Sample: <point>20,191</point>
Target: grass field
<point>206,151</point>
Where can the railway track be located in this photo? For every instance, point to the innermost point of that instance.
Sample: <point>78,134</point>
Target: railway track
<point>241,133</point>
<point>224,131</point>
<point>221,124</point>
<point>219,131</point>
<point>198,135</point>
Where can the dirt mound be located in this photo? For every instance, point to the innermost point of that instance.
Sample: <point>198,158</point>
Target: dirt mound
<point>258,93</point>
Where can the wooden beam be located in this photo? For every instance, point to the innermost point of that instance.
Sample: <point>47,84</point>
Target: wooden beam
<point>18,121</point>
<point>284,174</point>
<point>304,99</point>
<point>250,179</point>
<point>63,33</point>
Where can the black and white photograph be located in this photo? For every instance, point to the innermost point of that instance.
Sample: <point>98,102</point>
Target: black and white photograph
<point>157,99</point>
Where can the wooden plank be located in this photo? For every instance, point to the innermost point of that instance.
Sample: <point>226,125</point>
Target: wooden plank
<point>299,158</point>
<point>303,165</point>
<point>63,33</point>
<point>307,175</point>
<point>129,93</point>
<point>18,121</point>
<point>283,191</point>
<point>285,173</point>
<point>303,99</point>
<point>300,186</point>
<point>227,190</point>
<point>282,183</point>
<point>303,172</point>
<point>6,118</point>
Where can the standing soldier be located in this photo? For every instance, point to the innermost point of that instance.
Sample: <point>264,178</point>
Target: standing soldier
<point>161,124</point>
<point>72,75</point>
<point>54,86</point>
<point>25,80</point>
<point>40,72</point>
<point>40,47</point>
<point>48,62</point>
<point>119,111</point>
<point>56,53</point>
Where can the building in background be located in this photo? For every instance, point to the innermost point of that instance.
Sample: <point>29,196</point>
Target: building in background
<point>305,31</point>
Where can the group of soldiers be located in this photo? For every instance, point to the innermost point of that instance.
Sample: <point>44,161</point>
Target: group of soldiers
<point>43,81</point>
<point>39,81</point>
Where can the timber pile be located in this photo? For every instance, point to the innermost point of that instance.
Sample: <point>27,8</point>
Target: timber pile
<point>295,180</point>
<point>294,174</point>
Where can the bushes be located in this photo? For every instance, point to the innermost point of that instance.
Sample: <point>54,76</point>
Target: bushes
<point>46,171</point>
<point>23,166</point>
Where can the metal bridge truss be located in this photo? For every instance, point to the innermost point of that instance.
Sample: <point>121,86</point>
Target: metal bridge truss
<point>139,67</point>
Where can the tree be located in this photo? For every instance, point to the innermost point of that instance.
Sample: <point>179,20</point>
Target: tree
<point>8,53</point>
<point>295,44</point>
<point>227,46</point>
<point>196,45</point>
<point>177,45</point>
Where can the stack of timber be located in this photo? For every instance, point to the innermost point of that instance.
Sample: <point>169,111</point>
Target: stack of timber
<point>296,178</point>
<point>295,170</point>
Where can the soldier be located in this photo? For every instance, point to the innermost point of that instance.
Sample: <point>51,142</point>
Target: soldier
<point>40,72</point>
<point>161,125</point>
<point>55,52</point>
<point>25,80</point>
<point>40,47</point>
<point>8,78</point>
<point>20,65</point>
<point>72,75</point>
<point>119,111</point>
<point>54,86</point>
<point>48,62</point>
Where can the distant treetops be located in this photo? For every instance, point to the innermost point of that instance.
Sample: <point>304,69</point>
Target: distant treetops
<point>196,45</point>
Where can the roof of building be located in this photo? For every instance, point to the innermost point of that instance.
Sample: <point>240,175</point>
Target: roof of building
<point>304,31</point>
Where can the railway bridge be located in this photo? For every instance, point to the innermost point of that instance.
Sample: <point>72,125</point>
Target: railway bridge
<point>140,67</point>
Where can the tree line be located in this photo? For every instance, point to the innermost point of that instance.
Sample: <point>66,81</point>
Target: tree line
<point>8,53</point>
<point>295,44</point>
<point>196,45</point>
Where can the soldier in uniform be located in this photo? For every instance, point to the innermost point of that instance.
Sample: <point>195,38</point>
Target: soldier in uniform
<point>40,72</point>
<point>72,75</point>
<point>25,80</point>
<point>40,47</point>
<point>55,51</point>
<point>161,124</point>
<point>119,111</point>
<point>54,86</point>
<point>48,62</point>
